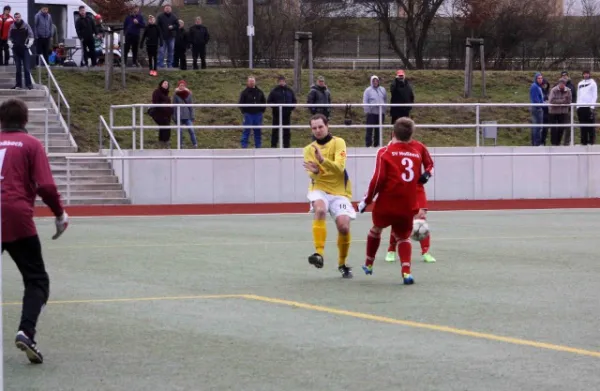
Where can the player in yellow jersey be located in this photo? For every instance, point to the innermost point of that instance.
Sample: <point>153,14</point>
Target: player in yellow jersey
<point>329,190</point>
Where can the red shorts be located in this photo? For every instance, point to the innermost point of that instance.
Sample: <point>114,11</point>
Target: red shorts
<point>422,199</point>
<point>401,224</point>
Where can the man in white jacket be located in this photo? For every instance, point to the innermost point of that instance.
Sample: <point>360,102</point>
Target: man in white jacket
<point>374,94</point>
<point>587,95</point>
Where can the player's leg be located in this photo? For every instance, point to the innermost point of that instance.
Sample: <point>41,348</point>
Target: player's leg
<point>391,252</point>
<point>27,255</point>
<point>320,206</point>
<point>425,243</point>
<point>343,212</point>
<point>402,231</point>
<point>373,242</point>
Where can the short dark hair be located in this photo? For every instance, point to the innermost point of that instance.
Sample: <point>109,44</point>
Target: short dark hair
<point>404,128</point>
<point>317,117</point>
<point>17,13</point>
<point>81,7</point>
<point>14,114</point>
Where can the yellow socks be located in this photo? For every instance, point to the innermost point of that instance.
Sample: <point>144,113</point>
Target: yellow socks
<point>319,229</point>
<point>343,247</point>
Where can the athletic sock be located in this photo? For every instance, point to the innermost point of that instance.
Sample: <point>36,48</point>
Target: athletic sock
<point>373,242</point>
<point>392,246</point>
<point>319,229</point>
<point>425,245</point>
<point>343,244</point>
<point>404,252</point>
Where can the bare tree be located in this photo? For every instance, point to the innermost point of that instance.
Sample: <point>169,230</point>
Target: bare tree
<point>415,18</point>
<point>113,10</point>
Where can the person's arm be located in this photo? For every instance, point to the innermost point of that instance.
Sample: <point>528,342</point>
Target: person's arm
<point>309,157</point>
<point>338,164</point>
<point>141,21</point>
<point>262,101</point>
<point>594,94</point>
<point>427,165</point>
<point>36,22</point>
<point>42,176</point>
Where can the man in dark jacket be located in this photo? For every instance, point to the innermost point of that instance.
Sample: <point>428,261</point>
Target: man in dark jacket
<point>133,25</point>
<point>282,94</point>
<point>401,93</point>
<point>26,175</point>
<point>319,94</point>
<point>181,47</point>
<point>253,115</point>
<point>199,38</point>
<point>20,39</point>
<point>168,24</point>
<point>86,32</point>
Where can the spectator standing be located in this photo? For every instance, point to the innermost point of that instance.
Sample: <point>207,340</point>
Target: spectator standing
<point>559,95</point>
<point>168,24</point>
<point>569,84</point>
<point>86,32</point>
<point>253,115</point>
<point>199,38</point>
<point>181,47</point>
<point>183,96</point>
<point>587,96</point>
<point>401,93</point>
<point>133,25</point>
<point>20,40</point>
<point>546,117</point>
<point>319,94</point>
<point>153,39</point>
<point>42,30</point>
<point>374,94</point>
<point>162,115</point>
<point>6,20</point>
<point>282,94</point>
<point>536,98</point>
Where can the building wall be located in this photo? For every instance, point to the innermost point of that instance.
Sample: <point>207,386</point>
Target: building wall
<point>274,175</point>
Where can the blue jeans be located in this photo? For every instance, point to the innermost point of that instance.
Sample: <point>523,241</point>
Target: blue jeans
<point>169,46</point>
<point>537,118</point>
<point>249,121</point>
<point>187,122</point>
<point>25,62</point>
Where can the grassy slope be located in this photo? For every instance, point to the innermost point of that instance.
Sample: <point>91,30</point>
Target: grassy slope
<point>86,95</point>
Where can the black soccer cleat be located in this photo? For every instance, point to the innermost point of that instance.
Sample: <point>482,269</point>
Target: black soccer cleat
<point>316,260</point>
<point>27,345</point>
<point>346,271</point>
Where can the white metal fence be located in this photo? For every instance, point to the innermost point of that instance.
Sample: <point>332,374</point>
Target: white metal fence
<point>138,119</point>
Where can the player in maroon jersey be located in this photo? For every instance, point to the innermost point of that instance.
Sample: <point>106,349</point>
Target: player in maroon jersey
<point>26,174</point>
<point>422,200</point>
<point>394,187</point>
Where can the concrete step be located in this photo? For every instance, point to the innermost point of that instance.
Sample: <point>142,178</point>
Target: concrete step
<point>94,193</point>
<point>62,187</point>
<point>92,201</point>
<point>22,94</point>
<point>25,98</point>
<point>78,165</point>
<point>63,149</point>
<point>90,172</point>
<point>61,179</point>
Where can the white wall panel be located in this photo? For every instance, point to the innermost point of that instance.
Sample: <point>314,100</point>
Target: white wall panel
<point>234,178</point>
<point>454,176</point>
<point>531,174</point>
<point>193,180</point>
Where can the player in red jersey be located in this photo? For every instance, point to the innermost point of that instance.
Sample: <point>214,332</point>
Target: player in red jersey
<point>26,174</point>
<point>394,188</point>
<point>422,200</point>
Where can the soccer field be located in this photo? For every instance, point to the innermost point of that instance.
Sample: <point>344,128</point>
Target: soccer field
<point>231,303</point>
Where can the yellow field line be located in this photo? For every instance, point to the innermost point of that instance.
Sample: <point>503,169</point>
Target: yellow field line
<point>433,327</point>
<point>134,299</point>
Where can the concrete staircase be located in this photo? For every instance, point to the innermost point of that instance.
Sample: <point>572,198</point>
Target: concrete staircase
<point>92,182</point>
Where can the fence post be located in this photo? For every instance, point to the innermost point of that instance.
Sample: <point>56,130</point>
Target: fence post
<point>477,125</point>
<point>100,140</point>
<point>572,125</point>
<point>46,138</point>
<point>133,126</point>
<point>141,128</point>
<point>178,127</point>
<point>68,181</point>
<point>380,125</point>
<point>281,127</point>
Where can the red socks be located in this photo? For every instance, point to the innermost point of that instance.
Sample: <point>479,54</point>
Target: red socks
<point>425,245</point>
<point>392,246</point>
<point>373,242</point>
<point>405,252</point>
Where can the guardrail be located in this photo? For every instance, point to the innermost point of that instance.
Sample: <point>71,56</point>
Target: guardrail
<point>60,97</point>
<point>138,111</point>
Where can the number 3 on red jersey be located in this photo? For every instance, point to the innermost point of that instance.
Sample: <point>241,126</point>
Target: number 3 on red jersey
<point>409,173</point>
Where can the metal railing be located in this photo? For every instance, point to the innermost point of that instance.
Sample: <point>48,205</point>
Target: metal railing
<point>102,125</point>
<point>61,101</point>
<point>138,111</point>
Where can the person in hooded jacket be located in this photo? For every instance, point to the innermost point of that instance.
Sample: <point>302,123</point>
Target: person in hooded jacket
<point>181,47</point>
<point>281,94</point>
<point>162,115</point>
<point>183,96</point>
<point>536,97</point>
<point>319,94</point>
<point>374,94</point>
<point>401,93</point>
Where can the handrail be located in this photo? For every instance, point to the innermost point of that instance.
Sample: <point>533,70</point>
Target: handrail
<point>111,135</point>
<point>61,96</point>
<point>344,105</point>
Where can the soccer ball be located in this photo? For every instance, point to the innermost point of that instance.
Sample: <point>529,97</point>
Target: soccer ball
<point>420,230</point>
